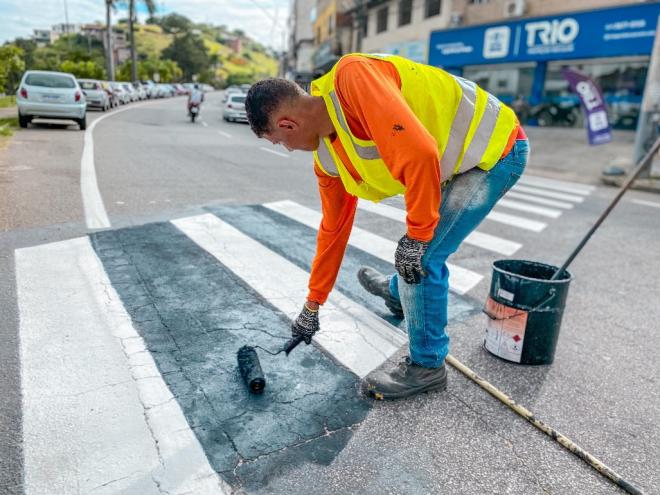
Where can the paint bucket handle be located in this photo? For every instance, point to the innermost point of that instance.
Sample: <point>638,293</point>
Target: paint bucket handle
<point>551,293</point>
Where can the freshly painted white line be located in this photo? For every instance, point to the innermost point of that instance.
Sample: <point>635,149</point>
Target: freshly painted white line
<point>460,279</point>
<point>516,221</point>
<point>520,206</point>
<point>548,194</point>
<point>557,185</point>
<point>355,337</point>
<point>95,214</point>
<point>541,201</point>
<point>204,124</point>
<point>645,203</point>
<point>478,239</point>
<point>278,153</point>
<point>96,411</point>
<point>224,134</point>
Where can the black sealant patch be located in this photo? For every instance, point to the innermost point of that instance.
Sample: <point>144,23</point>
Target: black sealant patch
<point>194,314</point>
<point>297,243</point>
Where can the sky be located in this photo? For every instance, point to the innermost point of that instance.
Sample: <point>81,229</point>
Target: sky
<point>263,20</point>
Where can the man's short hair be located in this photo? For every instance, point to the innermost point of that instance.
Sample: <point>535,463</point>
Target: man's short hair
<point>264,98</point>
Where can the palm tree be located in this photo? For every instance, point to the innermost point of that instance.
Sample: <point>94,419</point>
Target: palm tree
<point>151,8</point>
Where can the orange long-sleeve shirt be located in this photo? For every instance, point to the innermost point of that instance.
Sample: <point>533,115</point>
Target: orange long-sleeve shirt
<point>369,91</point>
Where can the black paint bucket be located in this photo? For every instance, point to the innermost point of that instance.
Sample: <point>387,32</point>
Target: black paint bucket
<point>524,311</point>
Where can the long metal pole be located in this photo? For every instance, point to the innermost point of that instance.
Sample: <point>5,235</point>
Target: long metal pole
<point>108,34</point>
<point>646,160</point>
<point>131,29</point>
<point>564,441</point>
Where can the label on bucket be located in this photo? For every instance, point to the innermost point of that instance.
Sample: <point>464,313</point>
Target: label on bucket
<point>506,333</point>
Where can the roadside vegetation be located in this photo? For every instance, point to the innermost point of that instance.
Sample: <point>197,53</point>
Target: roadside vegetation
<point>171,46</point>
<point>7,101</point>
<point>7,127</point>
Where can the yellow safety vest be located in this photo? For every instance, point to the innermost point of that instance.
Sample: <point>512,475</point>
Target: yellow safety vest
<point>470,126</point>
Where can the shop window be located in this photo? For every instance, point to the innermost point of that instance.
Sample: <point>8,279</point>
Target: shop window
<point>508,83</point>
<point>381,19</point>
<point>432,8</point>
<point>622,84</point>
<point>405,12</point>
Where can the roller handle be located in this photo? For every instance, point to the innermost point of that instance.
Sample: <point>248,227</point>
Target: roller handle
<point>292,344</point>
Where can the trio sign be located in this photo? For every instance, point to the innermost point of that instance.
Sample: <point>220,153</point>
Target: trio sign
<point>601,33</point>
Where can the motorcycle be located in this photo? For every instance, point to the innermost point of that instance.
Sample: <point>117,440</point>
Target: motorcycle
<point>552,114</point>
<point>193,111</point>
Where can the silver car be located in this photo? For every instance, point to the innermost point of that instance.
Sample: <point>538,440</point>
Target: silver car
<point>132,92</point>
<point>95,95</point>
<point>122,94</point>
<point>234,108</point>
<point>50,95</point>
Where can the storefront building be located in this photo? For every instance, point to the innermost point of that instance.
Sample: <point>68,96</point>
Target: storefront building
<point>520,61</point>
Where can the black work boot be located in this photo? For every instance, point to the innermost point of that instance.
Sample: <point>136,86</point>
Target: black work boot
<point>379,285</point>
<point>404,380</point>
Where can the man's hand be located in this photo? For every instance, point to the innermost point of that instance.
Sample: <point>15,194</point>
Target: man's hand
<point>408,259</point>
<point>307,323</point>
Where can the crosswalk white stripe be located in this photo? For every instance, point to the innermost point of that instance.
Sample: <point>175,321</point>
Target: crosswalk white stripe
<point>645,203</point>
<point>549,194</point>
<point>479,239</point>
<point>80,353</point>
<point>460,279</point>
<point>224,134</point>
<point>355,337</point>
<point>520,206</point>
<point>516,221</point>
<point>557,185</point>
<point>541,201</point>
<point>400,215</point>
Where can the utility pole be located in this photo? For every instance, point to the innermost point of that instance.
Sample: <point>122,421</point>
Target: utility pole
<point>649,114</point>
<point>131,12</point>
<point>108,34</point>
<point>66,24</point>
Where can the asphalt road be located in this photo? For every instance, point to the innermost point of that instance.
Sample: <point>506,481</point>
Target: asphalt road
<point>191,307</point>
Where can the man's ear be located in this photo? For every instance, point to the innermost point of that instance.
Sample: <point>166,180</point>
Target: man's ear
<point>286,123</point>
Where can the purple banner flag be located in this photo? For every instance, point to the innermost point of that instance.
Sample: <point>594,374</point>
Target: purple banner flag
<point>593,106</point>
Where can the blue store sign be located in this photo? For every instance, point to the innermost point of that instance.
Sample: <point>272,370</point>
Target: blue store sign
<point>601,33</point>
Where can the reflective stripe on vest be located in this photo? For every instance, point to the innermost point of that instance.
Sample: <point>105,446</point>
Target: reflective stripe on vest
<point>324,159</point>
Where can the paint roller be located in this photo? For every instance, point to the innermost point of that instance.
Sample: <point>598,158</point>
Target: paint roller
<point>250,366</point>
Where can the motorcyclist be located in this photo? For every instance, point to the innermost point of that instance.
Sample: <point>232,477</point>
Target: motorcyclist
<point>196,97</point>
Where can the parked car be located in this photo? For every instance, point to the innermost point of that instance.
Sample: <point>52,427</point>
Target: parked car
<point>180,90</point>
<point>123,95</point>
<point>50,95</point>
<point>94,94</point>
<point>113,96</point>
<point>132,92</point>
<point>234,108</point>
<point>150,88</point>
<point>141,92</point>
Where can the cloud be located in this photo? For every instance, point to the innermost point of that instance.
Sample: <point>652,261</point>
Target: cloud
<point>263,20</point>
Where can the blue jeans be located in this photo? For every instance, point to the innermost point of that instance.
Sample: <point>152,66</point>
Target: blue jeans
<point>466,200</point>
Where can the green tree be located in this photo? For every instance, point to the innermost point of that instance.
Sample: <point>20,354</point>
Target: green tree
<point>167,70</point>
<point>175,23</point>
<point>83,70</point>
<point>190,53</point>
<point>12,67</point>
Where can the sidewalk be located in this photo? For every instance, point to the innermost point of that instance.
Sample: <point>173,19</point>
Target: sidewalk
<point>565,154</point>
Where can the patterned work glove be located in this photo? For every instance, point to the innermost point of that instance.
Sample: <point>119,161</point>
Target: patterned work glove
<point>306,325</point>
<point>408,259</point>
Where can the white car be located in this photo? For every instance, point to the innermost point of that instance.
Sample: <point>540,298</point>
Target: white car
<point>50,95</point>
<point>95,95</point>
<point>132,92</point>
<point>234,109</point>
<point>122,94</point>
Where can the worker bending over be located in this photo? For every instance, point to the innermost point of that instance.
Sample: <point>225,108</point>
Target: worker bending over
<point>380,126</point>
